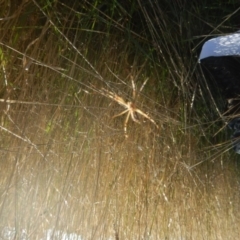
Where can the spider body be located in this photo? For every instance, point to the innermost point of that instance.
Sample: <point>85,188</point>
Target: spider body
<point>130,107</point>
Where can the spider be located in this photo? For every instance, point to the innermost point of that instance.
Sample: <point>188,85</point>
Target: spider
<point>130,108</point>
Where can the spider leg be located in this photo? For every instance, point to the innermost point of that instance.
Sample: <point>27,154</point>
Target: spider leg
<point>125,125</point>
<point>144,83</point>
<point>146,116</point>
<point>134,117</point>
<point>134,89</point>
<point>114,97</point>
<point>120,114</point>
<point>119,100</point>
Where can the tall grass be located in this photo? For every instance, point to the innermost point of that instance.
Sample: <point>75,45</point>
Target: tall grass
<point>67,169</point>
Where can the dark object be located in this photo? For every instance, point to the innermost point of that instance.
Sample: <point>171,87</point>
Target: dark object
<point>236,142</point>
<point>234,125</point>
<point>220,61</point>
<point>226,72</point>
<point>224,75</point>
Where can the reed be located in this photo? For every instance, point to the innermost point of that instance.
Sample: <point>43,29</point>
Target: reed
<point>67,169</point>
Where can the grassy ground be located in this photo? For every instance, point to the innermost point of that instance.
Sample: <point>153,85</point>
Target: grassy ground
<point>66,165</point>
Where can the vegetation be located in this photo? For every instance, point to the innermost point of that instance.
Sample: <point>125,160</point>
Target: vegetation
<point>69,167</point>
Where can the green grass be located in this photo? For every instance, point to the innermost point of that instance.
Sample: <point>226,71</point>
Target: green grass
<point>65,162</point>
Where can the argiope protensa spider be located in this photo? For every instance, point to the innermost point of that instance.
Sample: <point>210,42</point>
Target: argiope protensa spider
<point>130,107</point>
